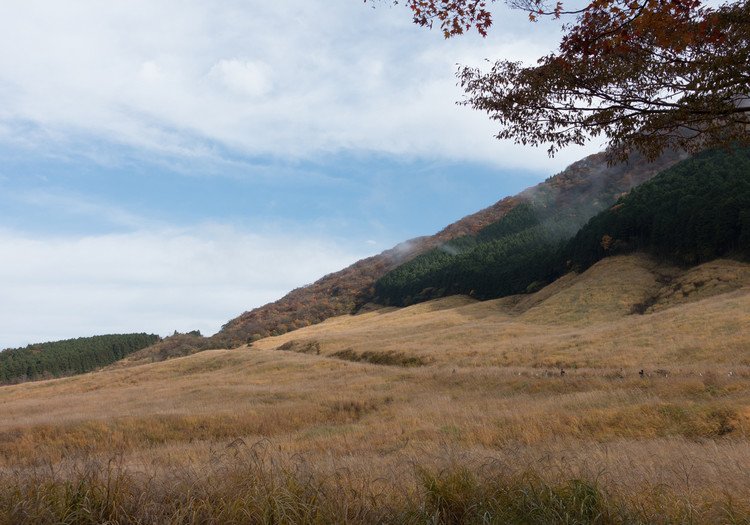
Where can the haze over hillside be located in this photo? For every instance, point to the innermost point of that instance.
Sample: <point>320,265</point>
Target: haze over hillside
<point>692,212</point>
<point>584,188</point>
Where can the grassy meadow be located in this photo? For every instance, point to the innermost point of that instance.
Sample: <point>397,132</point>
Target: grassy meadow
<point>528,409</point>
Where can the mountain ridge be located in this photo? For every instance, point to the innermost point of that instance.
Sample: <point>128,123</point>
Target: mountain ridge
<point>695,211</point>
<point>590,182</point>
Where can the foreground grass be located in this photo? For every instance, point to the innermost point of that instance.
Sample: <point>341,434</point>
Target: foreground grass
<point>256,436</point>
<point>283,437</point>
<point>255,485</point>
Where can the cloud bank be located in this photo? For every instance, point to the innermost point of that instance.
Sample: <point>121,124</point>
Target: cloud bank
<point>153,281</point>
<point>298,78</point>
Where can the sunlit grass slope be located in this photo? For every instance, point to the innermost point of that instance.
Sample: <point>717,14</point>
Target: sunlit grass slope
<point>527,409</point>
<point>587,320</point>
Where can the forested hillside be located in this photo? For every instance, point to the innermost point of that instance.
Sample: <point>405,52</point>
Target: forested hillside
<point>501,259</point>
<point>693,212</point>
<point>575,194</point>
<point>72,356</point>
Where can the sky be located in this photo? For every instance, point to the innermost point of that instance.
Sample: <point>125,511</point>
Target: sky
<point>168,165</point>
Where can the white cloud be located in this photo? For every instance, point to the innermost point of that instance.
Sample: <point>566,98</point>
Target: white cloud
<point>295,78</point>
<point>153,281</point>
<point>243,77</point>
<point>151,72</point>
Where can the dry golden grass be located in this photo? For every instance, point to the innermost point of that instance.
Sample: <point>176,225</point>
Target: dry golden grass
<point>578,321</point>
<point>441,412</point>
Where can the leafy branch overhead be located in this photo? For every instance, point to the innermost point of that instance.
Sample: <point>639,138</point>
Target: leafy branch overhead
<point>645,74</point>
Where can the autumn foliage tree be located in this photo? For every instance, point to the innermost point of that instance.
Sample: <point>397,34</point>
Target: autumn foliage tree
<point>645,74</point>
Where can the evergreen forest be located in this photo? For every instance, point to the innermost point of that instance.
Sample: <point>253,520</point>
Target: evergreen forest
<point>696,211</point>
<point>68,357</point>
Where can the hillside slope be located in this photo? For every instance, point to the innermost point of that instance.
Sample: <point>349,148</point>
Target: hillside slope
<point>696,211</point>
<point>589,320</point>
<point>692,212</point>
<point>586,186</point>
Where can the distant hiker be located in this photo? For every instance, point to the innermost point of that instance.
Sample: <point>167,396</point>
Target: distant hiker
<point>641,373</point>
<point>562,372</point>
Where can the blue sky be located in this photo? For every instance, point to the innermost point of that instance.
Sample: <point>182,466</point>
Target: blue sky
<point>167,165</point>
